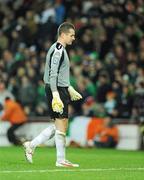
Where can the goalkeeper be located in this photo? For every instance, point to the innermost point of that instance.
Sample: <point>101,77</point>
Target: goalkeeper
<point>59,94</point>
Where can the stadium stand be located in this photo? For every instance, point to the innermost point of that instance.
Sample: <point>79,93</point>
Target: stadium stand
<point>107,58</point>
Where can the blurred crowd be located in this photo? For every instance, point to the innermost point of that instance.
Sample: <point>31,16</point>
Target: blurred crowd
<point>107,58</point>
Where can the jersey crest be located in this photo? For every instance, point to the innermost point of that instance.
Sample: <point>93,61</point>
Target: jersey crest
<point>56,57</point>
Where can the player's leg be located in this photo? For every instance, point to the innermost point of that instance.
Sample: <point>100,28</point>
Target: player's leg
<point>60,140</point>
<point>30,146</point>
<point>46,134</point>
<point>61,123</point>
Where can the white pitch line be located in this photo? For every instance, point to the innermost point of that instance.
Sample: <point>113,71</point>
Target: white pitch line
<point>73,170</point>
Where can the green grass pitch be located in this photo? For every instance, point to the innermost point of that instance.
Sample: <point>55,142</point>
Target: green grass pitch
<point>95,164</point>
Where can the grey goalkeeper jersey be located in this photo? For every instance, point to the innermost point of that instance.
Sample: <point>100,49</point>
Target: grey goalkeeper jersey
<point>57,67</point>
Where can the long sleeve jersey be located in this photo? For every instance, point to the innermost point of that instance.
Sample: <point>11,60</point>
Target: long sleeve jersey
<point>57,67</point>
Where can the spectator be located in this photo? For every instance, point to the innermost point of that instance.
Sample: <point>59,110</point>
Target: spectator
<point>103,87</point>
<point>110,38</point>
<point>27,93</point>
<point>124,105</point>
<point>138,103</point>
<point>4,92</point>
<point>106,136</point>
<point>91,108</point>
<point>60,12</point>
<point>13,113</point>
<point>110,103</point>
<point>3,41</point>
<point>88,106</point>
<point>48,13</point>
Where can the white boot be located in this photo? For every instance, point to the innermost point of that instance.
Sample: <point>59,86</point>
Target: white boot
<point>28,151</point>
<point>66,163</point>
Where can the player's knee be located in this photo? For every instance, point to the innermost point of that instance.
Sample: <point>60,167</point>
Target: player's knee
<point>58,132</point>
<point>61,124</point>
<point>53,130</point>
<point>49,132</point>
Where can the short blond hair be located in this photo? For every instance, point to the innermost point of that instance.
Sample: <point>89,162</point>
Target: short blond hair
<point>65,27</point>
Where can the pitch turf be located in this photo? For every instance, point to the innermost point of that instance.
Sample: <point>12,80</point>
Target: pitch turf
<point>94,165</point>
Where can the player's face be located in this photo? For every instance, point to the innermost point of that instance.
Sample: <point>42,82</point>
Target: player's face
<point>70,37</point>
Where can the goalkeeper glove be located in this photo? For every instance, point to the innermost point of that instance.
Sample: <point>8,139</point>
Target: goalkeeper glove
<point>74,94</point>
<point>57,104</point>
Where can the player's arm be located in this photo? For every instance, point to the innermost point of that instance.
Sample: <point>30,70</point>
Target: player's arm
<point>54,65</point>
<point>57,104</point>
<point>74,94</point>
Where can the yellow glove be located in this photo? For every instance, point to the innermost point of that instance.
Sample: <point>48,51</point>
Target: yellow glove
<point>74,94</point>
<point>57,104</point>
